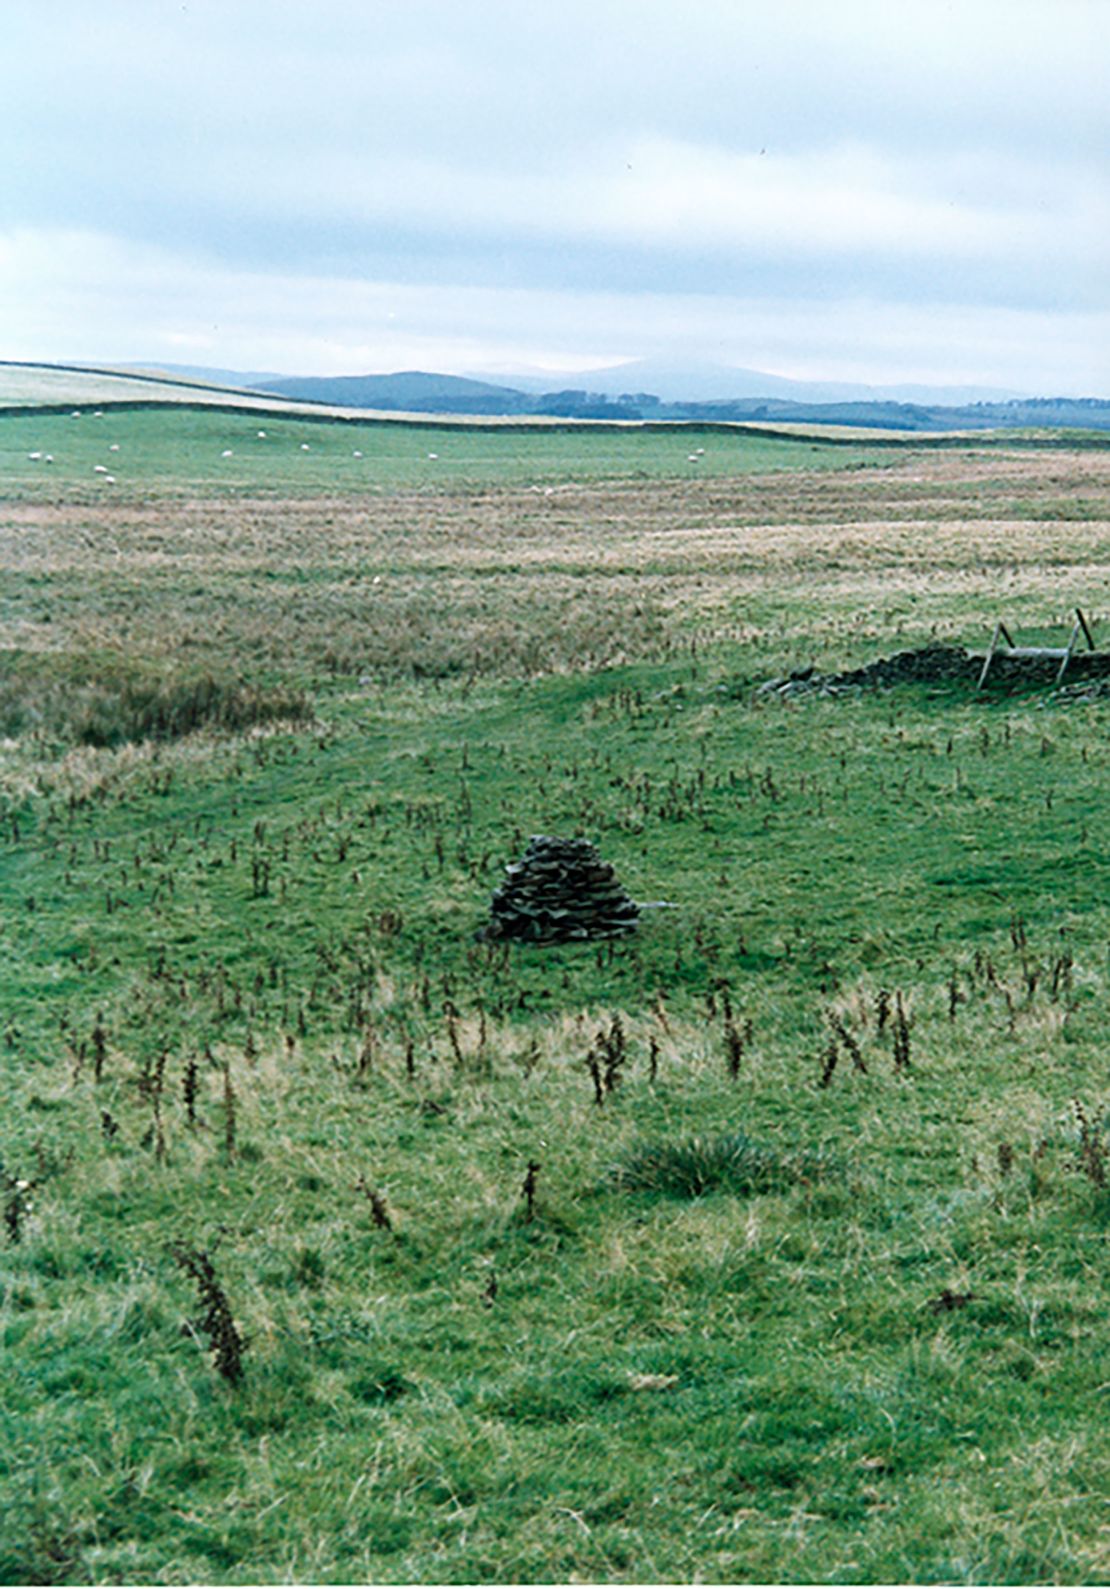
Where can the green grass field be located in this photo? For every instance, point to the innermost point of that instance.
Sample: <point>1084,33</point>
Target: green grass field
<point>817,1291</point>
<point>185,449</point>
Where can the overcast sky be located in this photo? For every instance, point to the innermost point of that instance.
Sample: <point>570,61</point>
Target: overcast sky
<point>867,190</point>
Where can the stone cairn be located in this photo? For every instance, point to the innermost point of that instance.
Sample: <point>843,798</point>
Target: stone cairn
<point>560,889</point>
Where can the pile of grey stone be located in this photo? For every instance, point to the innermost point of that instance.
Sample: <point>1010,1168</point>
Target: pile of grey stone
<point>938,664</point>
<point>560,889</point>
<point>932,664</point>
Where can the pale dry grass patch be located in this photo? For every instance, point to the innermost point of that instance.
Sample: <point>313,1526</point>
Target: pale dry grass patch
<point>86,772</point>
<point>87,769</point>
<point>298,578</point>
<point>1020,1115</point>
<point>510,528</point>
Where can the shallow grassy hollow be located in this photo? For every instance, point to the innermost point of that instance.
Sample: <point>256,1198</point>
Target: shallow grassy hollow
<point>816,1291</point>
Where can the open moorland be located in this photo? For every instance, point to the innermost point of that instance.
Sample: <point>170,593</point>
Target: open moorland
<point>341,1244</point>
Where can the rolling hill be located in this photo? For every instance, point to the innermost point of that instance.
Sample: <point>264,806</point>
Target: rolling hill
<point>421,395</point>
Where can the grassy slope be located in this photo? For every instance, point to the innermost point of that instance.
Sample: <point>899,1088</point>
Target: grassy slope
<point>173,452</point>
<point>83,388</point>
<point>103,391</point>
<point>760,1385</point>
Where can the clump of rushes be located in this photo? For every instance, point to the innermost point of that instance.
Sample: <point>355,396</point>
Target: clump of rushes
<point>829,1062</point>
<point>842,1035</point>
<point>1061,975</point>
<point>451,1014</point>
<point>151,1084</point>
<point>366,1054</point>
<point>882,1009</point>
<point>229,1113</point>
<point>17,1204</point>
<point>660,1013</point>
<point>901,1040</point>
<point>528,1190</point>
<point>949,1300</point>
<point>614,1053</point>
<point>378,1207</point>
<point>224,1341</point>
<point>731,1163</point>
<point>736,1040</point>
<point>100,1048</point>
<point>1031,971</point>
<point>78,1052</point>
<point>189,1091</point>
<point>606,1058</point>
<point>593,1065</point>
<point>1092,1151</point>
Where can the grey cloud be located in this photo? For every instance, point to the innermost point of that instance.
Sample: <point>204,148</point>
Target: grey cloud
<point>509,80</point>
<point>159,305</point>
<point>904,154</point>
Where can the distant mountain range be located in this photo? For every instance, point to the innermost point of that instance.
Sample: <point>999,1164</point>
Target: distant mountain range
<point>647,391</point>
<point>705,382</point>
<point>410,389</point>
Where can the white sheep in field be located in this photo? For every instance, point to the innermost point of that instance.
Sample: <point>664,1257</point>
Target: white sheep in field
<point>227,453</point>
<point>100,468</point>
<point>114,447</point>
<point>34,456</point>
<point>356,454</point>
<point>305,447</point>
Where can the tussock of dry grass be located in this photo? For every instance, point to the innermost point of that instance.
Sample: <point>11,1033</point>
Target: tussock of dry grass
<point>511,581</point>
<point>109,699</point>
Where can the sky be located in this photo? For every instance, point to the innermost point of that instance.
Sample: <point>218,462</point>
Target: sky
<point>873,191</point>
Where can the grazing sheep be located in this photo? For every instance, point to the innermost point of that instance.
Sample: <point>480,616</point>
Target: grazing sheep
<point>227,453</point>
